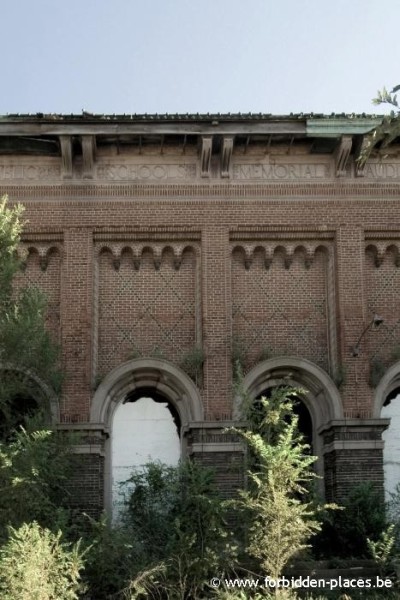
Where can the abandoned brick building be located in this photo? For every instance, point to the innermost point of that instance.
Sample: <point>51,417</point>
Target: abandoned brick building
<point>172,246</point>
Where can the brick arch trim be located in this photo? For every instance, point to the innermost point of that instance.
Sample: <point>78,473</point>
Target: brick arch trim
<point>389,382</point>
<point>323,399</point>
<point>47,391</point>
<point>155,373</point>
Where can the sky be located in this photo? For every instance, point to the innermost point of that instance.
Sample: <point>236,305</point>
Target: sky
<point>206,56</point>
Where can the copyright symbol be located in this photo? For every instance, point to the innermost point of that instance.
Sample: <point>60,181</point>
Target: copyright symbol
<point>215,582</point>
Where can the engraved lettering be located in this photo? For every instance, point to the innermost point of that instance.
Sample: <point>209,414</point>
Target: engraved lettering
<point>280,171</point>
<point>382,170</point>
<point>145,172</point>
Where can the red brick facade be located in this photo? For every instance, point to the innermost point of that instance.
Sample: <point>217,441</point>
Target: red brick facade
<point>253,239</point>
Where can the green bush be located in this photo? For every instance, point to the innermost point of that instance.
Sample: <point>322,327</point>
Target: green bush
<point>36,565</point>
<point>34,471</point>
<point>111,562</point>
<point>345,532</point>
<point>178,526</point>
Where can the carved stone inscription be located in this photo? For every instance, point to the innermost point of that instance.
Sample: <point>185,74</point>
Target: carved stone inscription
<point>382,170</point>
<point>29,172</point>
<point>281,171</point>
<point>142,172</point>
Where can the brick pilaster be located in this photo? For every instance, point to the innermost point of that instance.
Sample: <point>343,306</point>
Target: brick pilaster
<point>216,303</point>
<point>356,394</point>
<point>76,323</point>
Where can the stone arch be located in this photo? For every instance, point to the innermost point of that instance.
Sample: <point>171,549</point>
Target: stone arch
<point>389,382</point>
<point>387,408</point>
<point>143,377</point>
<point>45,390</point>
<point>155,373</point>
<point>322,398</point>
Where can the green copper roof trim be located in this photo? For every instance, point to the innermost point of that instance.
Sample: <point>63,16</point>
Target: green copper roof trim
<point>334,127</point>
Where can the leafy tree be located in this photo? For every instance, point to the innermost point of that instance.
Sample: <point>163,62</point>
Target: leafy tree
<point>26,347</point>
<point>389,129</point>
<point>281,516</point>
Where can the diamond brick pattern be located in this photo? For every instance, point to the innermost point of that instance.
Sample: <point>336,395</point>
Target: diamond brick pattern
<point>145,312</point>
<point>280,311</point>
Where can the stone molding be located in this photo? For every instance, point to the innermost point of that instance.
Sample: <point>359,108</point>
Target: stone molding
<point>323,401</point>
<point>159,374</point>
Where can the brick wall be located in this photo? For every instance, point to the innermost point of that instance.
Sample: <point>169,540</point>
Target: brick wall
<point>312,299</point>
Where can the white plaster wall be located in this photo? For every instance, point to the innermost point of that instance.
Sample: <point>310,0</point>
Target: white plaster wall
<point>391,452</point>
<point>143,431</point>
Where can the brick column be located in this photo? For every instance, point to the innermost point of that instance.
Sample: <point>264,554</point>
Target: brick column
<point>353,454</point>
<point>76,323</point>
<point>356,394</point>
<point>216,303</point>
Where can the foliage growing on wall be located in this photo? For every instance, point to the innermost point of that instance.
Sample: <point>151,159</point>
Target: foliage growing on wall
<point>25,344</point>
<point>192,364</point>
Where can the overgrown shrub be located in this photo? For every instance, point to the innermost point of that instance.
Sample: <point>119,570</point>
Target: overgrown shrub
<point>177,522</point>
<point>36,565</point>
<point>281,519</point>
<point>111,561</point>
<point>345,532</point>
<point>34,471</point>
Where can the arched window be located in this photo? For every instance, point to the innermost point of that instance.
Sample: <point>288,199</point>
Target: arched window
<point>146,428</point>
<point>305,424</point>
<point>22,395</point>
<point>14,412</point>
<point>170,401</point>
<point>391,437</point>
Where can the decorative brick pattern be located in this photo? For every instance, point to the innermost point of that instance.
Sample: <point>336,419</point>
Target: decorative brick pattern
<point>382,272</point>
<point>271,250</point>
<point>279,304</point>
<point>41,268</point>
<point>147,305</point>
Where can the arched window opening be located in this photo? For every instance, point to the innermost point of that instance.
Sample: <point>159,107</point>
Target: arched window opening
<point>391,437</point>
<point>14,413</point>
<point>146,428</point>
<point>305,425</point>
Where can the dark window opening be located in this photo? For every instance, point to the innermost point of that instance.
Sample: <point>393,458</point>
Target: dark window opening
<point>305,425</point>
<point>14,414</point>
<point>393,394</point>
